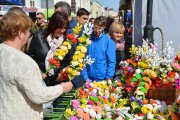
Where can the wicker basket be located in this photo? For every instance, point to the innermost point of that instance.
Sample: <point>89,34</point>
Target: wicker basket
<point>166,94</point>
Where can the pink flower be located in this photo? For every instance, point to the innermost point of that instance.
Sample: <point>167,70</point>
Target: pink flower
<point>87,85</point>
<point>73,118</point>
<point>75,104</point>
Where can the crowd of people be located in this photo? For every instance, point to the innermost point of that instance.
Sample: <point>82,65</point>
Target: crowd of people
<point>26,48</point>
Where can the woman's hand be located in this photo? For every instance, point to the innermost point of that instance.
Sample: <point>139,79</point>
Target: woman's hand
<point>67,86</point>
<point>44,75</point>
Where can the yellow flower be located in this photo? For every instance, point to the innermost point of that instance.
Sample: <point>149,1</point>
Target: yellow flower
<point>56,54</point>
<point>75,58</point>
<point>66,51</point>
<point>69,112</point>
<point>144,109</point>
<point>78,47</point>
<point>81,66</point>
<point>77,29</point>
<point>70,70</point>
<point>81,55</point>
<point>66,43</point>
<point>62,53</point>
<point>82,39</point>
<point>83,106</point>
<point>133,50</point>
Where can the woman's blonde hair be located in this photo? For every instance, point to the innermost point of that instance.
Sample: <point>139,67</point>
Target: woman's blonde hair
<point>11,23</point>
<point>116,26</point>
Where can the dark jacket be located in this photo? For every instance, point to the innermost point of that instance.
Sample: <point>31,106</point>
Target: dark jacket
<point>38,50</point>
<point>72,24</point>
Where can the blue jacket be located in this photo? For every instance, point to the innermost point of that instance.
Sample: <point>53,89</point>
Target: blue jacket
<point>103,50</point>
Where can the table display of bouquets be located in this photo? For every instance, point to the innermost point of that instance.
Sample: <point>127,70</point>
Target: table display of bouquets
<point>109,100</point>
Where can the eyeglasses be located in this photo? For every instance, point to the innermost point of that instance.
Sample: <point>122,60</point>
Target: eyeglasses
<point>98,28</point>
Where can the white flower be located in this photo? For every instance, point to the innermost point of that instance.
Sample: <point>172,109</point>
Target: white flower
<point>80,60</point>
<point>75,63</point>
<point>83,49</point>
<point>60,57</point>
<point>150,116</point>
<point>88,28</point>
<point>98,116</point>
<point>88,60</point>
<point>109,82</point>
<point>77,52</point>
<point>94,90</point>
<point>88,42</point>
<point>69,46</point>
<point>63,48</point>
<point>92,113</point>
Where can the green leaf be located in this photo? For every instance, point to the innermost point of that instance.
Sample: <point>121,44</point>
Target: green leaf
<point>142,83</point>
<point>143,89</point>
<point>138,76</point>
<point>134,79</point>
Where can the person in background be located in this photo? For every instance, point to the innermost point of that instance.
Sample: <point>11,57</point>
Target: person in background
<point>91,20</point>
<point>40,22</point>
<point>103,50</point>
<point>109,21</point>
<point>65,7</point>
<point>46,42</point>
<point>82,18</point>
<point>22,88</point>
<point>116,33</point>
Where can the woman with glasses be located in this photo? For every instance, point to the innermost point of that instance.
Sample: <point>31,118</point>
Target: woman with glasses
<point>102,49</point>
<point>21,86</point>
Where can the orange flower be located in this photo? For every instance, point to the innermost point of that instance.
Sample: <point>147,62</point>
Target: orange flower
<point>146,86</point>
<point>54,62</point>
<point>80,112</point>
<point>171,74</point>
<point>113,100</point>
<point>86,116</point>
<point>145,101</point>
<point>98,109</point>
<point>71,37</point>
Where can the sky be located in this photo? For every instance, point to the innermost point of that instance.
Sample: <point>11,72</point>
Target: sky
<point>110,3</point>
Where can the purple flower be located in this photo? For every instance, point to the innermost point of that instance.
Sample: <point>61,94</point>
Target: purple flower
<point>87,85</point>
<point>137,57</point>
<point>75,104</point>
<point>132,98</point>
<point>93,94</point>
<point>159,117</point>
<point>73,118</point>
<point>130,69</point>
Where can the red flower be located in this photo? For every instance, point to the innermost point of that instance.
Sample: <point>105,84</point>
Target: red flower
<point>71,37</point>
<point>54,62</point>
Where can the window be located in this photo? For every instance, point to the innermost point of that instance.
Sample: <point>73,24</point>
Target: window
<point>32,3</point>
